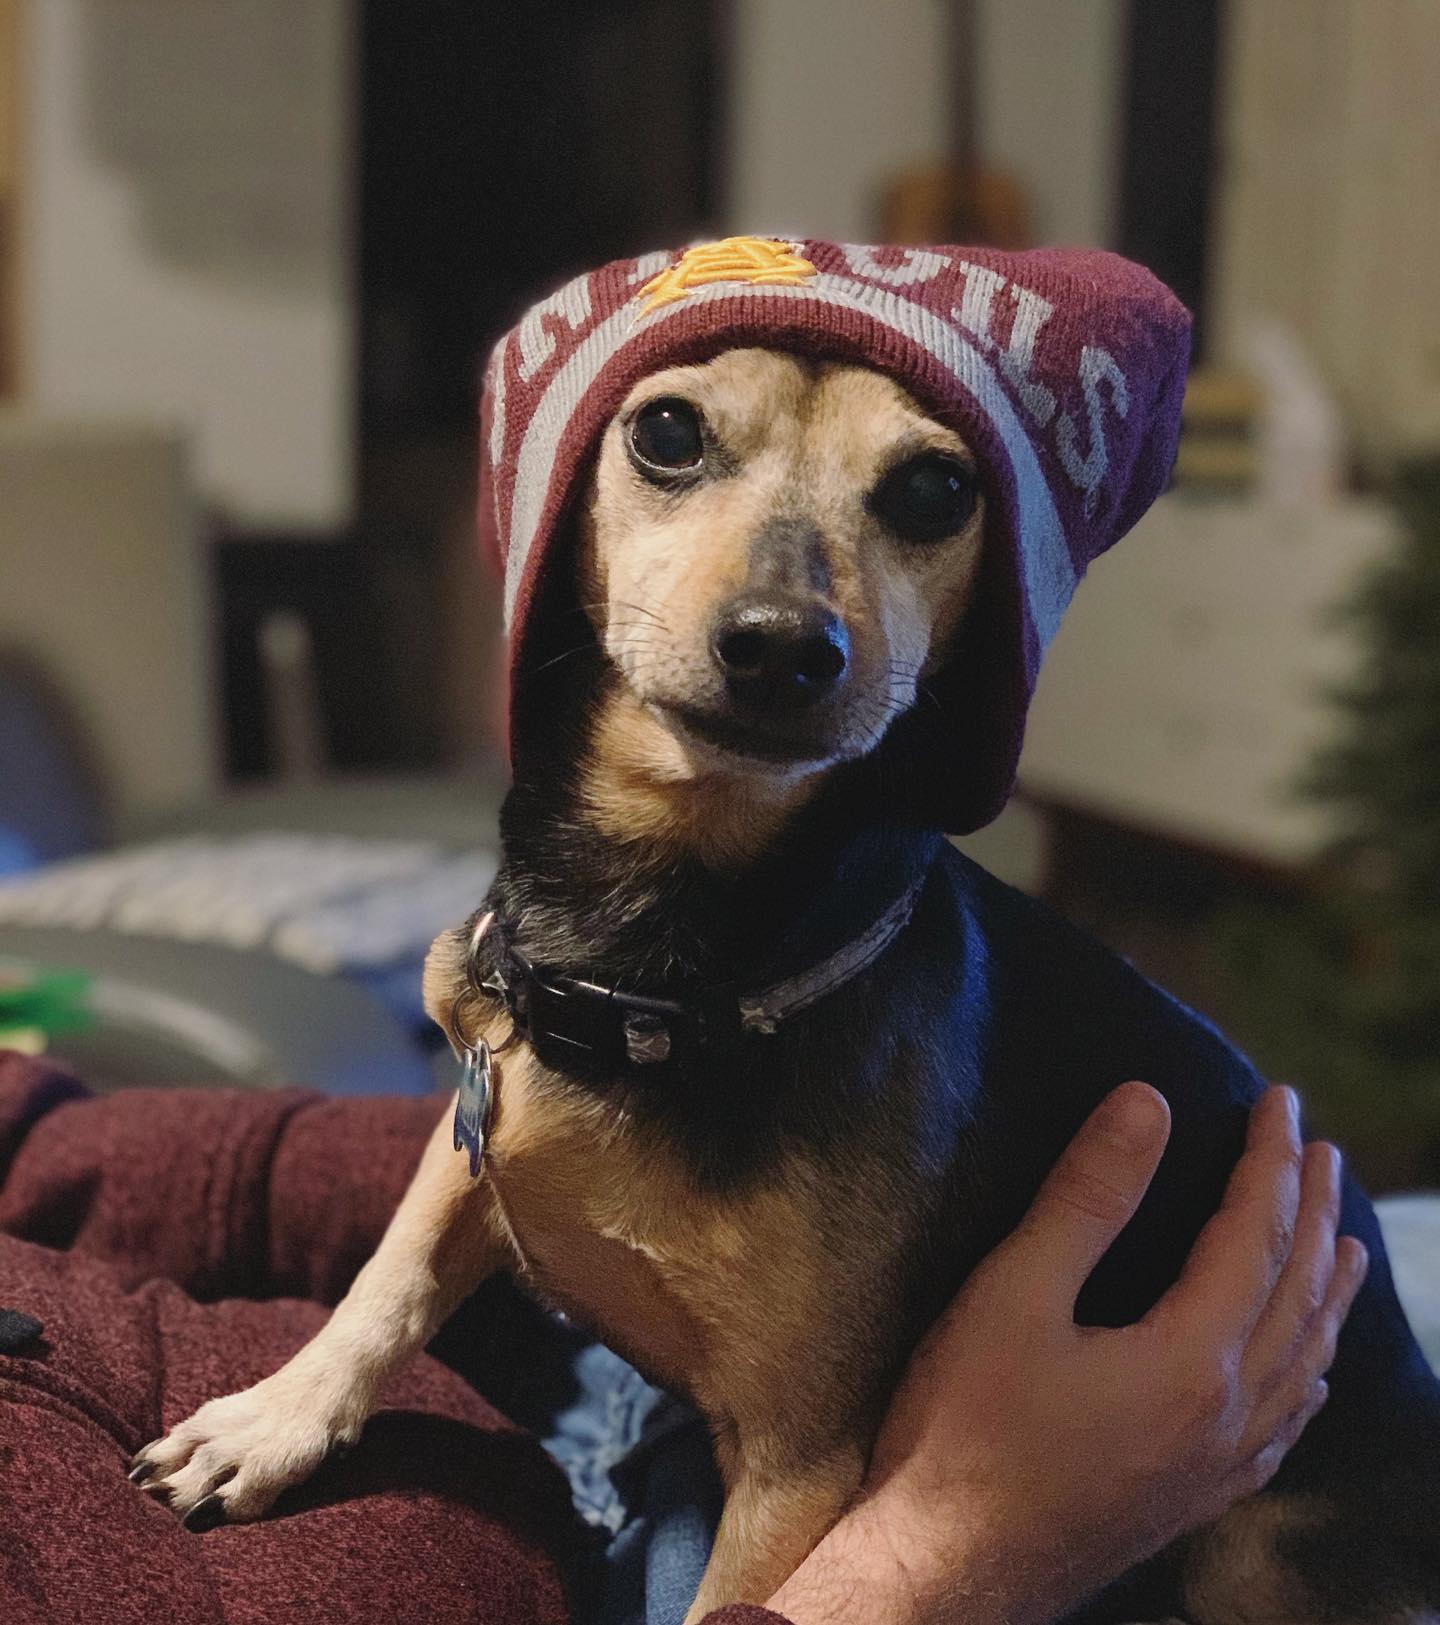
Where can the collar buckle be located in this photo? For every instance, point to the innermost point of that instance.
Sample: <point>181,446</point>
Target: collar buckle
<point>575,1023</point>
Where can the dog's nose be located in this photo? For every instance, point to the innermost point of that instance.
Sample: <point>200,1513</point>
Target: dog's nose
<point>779,652</point>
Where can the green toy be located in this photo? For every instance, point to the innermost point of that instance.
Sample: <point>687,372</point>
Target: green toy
<point>38,1006</point>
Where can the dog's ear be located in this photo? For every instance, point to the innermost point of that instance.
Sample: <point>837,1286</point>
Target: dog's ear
<point>553,689</point>
<point>951,758</point>
<point>443,980</point>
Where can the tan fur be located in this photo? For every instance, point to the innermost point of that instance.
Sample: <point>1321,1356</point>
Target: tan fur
<point>808,442</point>
<point>750,1269</point>
<point>1232,1576</point>
<point>643,786</point>
<point>1235,1575</point>
<point>737,1303</point>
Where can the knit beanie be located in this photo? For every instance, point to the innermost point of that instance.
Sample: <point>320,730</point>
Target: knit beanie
<point>1061,369</point>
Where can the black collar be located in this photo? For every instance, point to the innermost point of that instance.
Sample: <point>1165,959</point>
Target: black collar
<point>580,1026</point>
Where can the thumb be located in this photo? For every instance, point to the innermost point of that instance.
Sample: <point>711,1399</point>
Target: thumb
<point>1089,1195</point>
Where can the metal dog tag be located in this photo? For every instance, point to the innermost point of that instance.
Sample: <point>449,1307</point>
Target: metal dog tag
<point>472,1107</point>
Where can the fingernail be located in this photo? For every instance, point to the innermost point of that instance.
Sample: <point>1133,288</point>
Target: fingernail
<point>1133,1114</point>
<point>1292,1105</point>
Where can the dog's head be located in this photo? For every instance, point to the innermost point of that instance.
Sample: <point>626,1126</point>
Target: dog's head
<point>775,554</point>
<point>772,449</point>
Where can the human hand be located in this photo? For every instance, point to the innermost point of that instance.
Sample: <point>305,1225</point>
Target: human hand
<point>1026,1461</point>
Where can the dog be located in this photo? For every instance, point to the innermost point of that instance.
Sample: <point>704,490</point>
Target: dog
<point>758,1066</point>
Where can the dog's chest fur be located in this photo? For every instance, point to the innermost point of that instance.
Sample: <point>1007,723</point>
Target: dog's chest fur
<point>602,1224</point>
<point>710,1292</point>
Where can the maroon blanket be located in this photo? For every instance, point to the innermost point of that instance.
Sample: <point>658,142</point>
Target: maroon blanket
<point>180,1244</point>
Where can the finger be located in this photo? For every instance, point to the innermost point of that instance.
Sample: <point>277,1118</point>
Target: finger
<point>1237,1260</point>
<point>1352,1264</point>
<point>1306,1277</point>
<point>1265,1463</point>
<point>1315,1353</point>
<point>1089,1196</point>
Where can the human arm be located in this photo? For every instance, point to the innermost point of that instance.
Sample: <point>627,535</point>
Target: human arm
<point>1010,1489</point>
<point>226,1192</point>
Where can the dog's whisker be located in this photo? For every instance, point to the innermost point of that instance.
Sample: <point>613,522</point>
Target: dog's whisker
<point>624,603</point>
<point>642,609</point>
<point>567,654</point>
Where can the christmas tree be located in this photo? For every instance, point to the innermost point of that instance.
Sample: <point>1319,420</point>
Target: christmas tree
<point>1340,993</point>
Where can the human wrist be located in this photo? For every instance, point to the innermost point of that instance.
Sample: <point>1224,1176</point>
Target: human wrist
<point>861,1574</point>
<point>892,1561</point>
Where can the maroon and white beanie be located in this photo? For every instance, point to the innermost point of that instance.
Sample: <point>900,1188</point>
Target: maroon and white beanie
<point>1061,369</point>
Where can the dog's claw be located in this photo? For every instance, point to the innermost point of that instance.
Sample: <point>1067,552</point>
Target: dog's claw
<point>206,1514</point>
<point>140,1471</point>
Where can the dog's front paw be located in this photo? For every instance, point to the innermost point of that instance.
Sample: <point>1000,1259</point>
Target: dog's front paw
<point>229,1461</point>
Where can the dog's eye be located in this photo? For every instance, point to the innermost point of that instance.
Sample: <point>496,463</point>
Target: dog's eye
<point>927,498</point>
<point>666,435</point>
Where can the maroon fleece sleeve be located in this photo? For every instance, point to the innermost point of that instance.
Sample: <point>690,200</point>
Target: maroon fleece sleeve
<point>227,1192</point>
<point>443,1511</point>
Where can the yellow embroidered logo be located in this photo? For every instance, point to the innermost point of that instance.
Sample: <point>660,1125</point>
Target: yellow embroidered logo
<point>733,259</point>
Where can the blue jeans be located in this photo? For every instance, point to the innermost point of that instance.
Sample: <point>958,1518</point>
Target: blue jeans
<point>643,1476</point>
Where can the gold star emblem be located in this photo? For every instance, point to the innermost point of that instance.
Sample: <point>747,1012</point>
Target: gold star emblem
<point>733,259</point>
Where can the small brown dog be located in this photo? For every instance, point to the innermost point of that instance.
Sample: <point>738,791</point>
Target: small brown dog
<point>754,1196</point>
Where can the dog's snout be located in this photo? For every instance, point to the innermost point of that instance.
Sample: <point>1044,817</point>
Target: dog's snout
<point>779,652</point>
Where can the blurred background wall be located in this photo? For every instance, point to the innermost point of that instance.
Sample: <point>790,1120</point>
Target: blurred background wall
<point>812,146</point>
<point>1070,61</point>
<point>188,239</point>
<point>1327,220</point>
<point>9,188</point>
<point>831,101</point>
